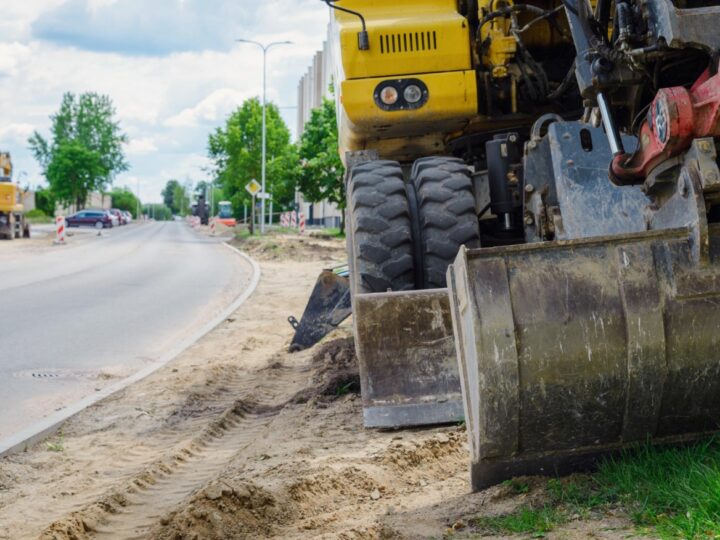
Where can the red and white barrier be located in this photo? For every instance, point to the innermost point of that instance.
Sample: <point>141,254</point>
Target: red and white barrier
<point>60,228</point>
<point>213,227</point>
<point>301,224</point>
<point>293,219</point>
<point>285,219</point>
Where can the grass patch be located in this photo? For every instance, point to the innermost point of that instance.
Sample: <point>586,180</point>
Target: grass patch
<point>55,445</point>
<point>329,233</point>
<point>41,220</point>
<point>534,521</point>
<point>674,492</point>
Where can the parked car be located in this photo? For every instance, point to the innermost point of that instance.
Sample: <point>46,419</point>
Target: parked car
<point>128,216</point>
<point>100,219</point>
<point>122,220</point>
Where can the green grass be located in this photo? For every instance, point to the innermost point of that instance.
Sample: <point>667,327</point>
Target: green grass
<point>673,492</point>
<point>534,521</point>
<point>36,217</point>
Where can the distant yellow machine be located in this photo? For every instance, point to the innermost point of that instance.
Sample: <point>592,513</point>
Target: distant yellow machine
<point>12,212</point>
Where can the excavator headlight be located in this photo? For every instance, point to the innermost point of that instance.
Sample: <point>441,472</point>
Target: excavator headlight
<point>413,93</point>
<point>389,95</point>
<point>401,94</point>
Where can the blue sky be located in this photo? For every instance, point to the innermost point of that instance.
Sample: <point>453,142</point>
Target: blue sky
<point>172,68</point>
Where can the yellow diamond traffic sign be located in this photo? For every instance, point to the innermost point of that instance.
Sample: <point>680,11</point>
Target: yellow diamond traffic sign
<point>253,187</point>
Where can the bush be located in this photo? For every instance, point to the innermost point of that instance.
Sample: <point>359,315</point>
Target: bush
<point>35,214</point>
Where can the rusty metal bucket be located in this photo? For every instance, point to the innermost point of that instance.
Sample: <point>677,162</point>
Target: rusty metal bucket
<point>570,350</point>
<point>408,368</point>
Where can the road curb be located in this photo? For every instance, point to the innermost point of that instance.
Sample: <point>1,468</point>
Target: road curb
<point>27,438</point>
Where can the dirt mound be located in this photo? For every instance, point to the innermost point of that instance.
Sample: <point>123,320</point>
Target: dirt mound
<point>224,510</point>
<point>323,489</point>
<point>283,247</point>
<point>82,525</point>
<point>437,454</point>
<point>336,373</point>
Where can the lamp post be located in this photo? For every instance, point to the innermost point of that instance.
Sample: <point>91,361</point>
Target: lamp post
<point>265,49</point>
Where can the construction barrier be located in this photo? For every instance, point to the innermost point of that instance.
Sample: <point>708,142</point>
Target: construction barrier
<point>60,230</point>
<point>285,219</point>
<point>213,227</point>
<point>293,219</point>
<point>301,224</point>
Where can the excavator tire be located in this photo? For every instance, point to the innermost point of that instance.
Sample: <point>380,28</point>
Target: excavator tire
<point>447,216</point>
<point>380,237</point>
<point>403,338</point>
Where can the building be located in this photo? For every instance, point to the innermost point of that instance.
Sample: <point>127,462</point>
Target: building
<point>95,200</point>
<point>312,88</point>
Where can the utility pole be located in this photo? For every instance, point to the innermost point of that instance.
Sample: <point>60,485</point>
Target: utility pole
<point>265,49</point>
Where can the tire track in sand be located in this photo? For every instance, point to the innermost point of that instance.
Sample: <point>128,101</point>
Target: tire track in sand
<point>132,509</point>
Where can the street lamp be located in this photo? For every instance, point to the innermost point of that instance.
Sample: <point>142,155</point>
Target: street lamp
<point>265,49</point>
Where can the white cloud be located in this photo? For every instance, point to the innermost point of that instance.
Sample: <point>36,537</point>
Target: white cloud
<point>12,56</point>
<point>138,147</point>
<point>213,108</point>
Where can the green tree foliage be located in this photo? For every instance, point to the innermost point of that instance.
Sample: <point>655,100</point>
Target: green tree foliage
<point>125,199</point>
<point>236,151</point>
<point>84,152</point>
<point>176,198</point>
<point>158,212</point>
<point>168,193</point>
<point>45,201</point>
<point>320,173</point>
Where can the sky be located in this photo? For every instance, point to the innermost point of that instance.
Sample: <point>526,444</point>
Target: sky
<point>172,68</point>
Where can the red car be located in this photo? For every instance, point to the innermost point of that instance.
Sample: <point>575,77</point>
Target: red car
<point>122,219</point>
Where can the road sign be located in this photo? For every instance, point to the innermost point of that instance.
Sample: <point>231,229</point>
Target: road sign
<point>266,196</point>
<point>253,187</point>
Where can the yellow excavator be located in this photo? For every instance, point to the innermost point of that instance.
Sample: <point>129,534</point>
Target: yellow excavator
<point>533,221</point>
<point>12,217</point>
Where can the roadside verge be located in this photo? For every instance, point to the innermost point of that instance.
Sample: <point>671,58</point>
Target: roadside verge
<point>23,440</point>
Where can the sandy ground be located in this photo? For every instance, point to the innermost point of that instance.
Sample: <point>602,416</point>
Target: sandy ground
<point>239,439</point>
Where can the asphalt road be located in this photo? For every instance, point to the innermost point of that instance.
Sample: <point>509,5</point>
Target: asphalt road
<point>76,318</point>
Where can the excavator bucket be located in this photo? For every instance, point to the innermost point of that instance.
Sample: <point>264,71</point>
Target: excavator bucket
<point>574,349</point>
<point>408,368</point>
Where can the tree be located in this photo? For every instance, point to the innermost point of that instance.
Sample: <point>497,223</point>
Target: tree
<point>176,197</point>
<point>236,151</point>
<point>125,199</point>
<point>45,201</point>
<point>320,173</point>
<point>85,149</point>
<point>158,212</point>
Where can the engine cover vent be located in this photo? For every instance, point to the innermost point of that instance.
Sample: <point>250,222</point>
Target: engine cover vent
<point>408,42</point>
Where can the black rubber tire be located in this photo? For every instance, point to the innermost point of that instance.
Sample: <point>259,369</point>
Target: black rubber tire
<point>447,214</point>
<point>379,235</point>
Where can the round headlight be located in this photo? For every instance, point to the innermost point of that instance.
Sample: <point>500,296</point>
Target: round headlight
<point>413,93</point>
<point>389,95</point>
